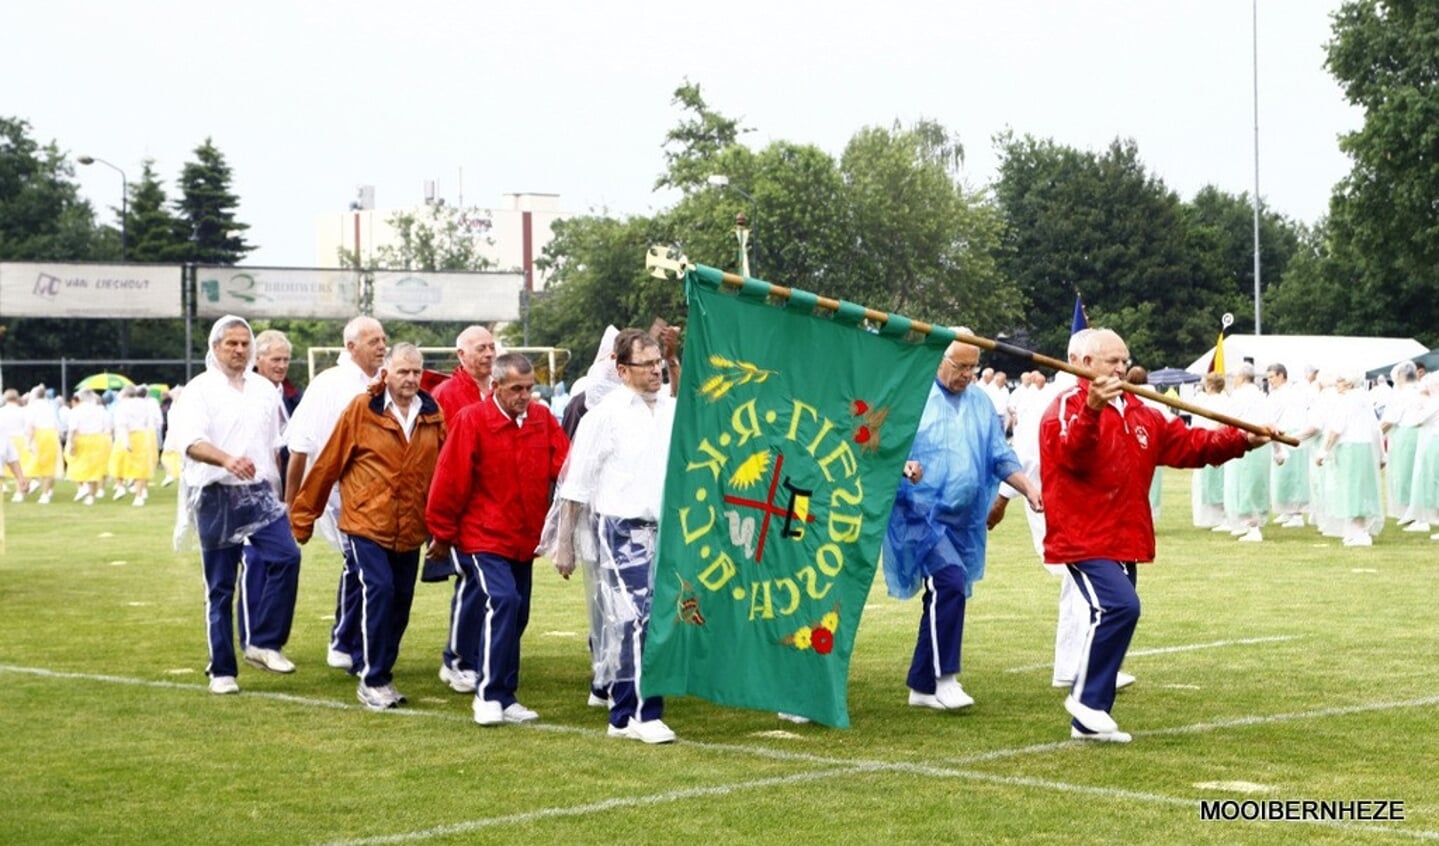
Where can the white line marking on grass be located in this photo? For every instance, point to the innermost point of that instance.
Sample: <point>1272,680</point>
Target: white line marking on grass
<point>604,806</point>
<point>1165,650</point>
<point>832,767</point>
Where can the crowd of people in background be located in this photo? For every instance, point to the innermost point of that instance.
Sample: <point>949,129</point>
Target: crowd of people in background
<point>98,441</point>
<point>1367,451</point>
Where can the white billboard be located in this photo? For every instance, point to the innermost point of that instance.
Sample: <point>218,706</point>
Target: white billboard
<point>267,292</point>
<point>55,289</point>
<point>469,297</point>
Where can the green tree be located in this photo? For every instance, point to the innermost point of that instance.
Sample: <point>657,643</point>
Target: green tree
<point>153,232</point>
<point>437,237</point>
<point>596,273</point>
<point>1102,225</point>
<point>922,244</point>
<point>1383,225</point>
<point>42,216</point>
<point>206,211</point>
<point>691,147</point>
<point>1220,230</point>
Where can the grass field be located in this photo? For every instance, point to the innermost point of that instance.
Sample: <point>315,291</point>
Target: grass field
<point>1295,669</point>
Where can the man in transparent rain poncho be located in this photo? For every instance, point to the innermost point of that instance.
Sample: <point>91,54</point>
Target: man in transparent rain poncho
<point>227,425</point>
<point>615,472</point>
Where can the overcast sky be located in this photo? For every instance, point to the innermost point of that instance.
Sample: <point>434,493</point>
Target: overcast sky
<point>309,99</point>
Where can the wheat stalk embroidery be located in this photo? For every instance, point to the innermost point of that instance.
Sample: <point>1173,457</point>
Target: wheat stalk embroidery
<point>731,375</point>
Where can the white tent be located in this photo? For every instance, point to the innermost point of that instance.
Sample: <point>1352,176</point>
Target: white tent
<point>1296,352</point>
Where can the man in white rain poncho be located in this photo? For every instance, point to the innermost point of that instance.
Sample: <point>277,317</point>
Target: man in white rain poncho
<point>616,468</point>
<point>227,425</point>
<point>306,434</point>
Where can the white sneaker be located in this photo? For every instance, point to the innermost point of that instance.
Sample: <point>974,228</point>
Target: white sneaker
<point>339,660</point>
<point>169,480</point>
<point>79,495</point>
<point>374,698</point>
<point>139,502</point>
<point>44,499</point>
<point>1418,526</point>
<point>1239,530</point>
<point>794,718</point>
<point>646,731</point>
<point>517,713</point>
<point>268,659</point>
<point>597,702</point>
<point>224,684</point>
<point>488,713</point>
<point>119,492</point>
<point>951,695</point>
<point>1122,680</point>
<point>1359,540</point>
<point>1295,522</point>
<point>460,681</point>
<point>34,486</point>
<point>398,697</point>
<point>1091,718</point>
<point>932,700</point>
<point>1222,527</point>
<point>1115,736</point>
<point>89,500</point>
<point>1252,536</point>
<point>18,497</point>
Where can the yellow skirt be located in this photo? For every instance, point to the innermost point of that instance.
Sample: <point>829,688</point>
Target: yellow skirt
<point>139,462</point>
<point>89,457</point>
<point>45,460</point>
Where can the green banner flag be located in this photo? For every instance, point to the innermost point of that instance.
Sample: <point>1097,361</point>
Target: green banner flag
<point>789,441</point>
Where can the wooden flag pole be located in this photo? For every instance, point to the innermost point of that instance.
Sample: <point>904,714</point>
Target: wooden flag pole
<point>663,261</point>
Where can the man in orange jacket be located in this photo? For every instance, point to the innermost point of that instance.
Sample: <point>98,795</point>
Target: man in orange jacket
<point>383,453</point>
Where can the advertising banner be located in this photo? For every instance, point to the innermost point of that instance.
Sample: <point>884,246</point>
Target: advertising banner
<point>54,289</point>
<point>267,292</point>
<point>470,297</point>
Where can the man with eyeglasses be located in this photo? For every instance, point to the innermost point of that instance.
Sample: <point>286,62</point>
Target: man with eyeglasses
<point>617,470</point>
<point>937,531</point>
<point>1098,450</point>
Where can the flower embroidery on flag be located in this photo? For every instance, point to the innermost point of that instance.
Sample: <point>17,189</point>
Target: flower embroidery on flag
<point>866,431</point>
<point>818,636</point>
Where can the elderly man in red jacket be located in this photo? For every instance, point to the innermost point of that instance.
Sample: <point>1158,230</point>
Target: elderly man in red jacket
<point>487,505</point>
<point>382,452</point>
<point>1097,452</point>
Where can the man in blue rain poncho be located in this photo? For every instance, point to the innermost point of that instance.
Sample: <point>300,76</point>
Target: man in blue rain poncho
<point>936,536</point>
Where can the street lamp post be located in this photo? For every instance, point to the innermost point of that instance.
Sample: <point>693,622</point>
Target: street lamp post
<point>124,198</point>
<point>742,224</point>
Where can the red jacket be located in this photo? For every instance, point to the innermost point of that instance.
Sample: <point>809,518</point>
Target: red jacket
<point>1095,468</point>
<point>492,484</point>
<point>458,392</point>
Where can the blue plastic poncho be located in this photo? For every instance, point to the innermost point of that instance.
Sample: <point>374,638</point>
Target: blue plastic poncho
<point>940,521</point>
